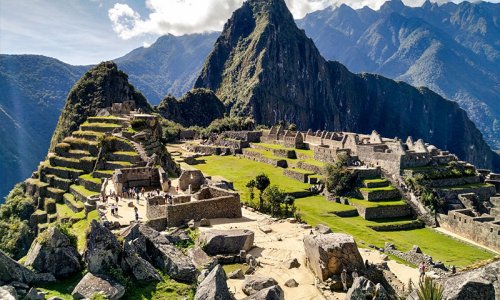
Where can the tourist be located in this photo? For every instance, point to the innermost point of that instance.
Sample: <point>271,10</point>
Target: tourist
<point>421,270</point>
<point>143,191</point>
<point>367,264</point>
<point>137,198</point>
<point>355,274</point>
<point>343,278</point>
<point>453,270</point>
<point>112,206</point>
<point>136,210</point>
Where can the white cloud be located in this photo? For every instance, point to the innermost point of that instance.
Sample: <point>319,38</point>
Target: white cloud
<point>194,16</point>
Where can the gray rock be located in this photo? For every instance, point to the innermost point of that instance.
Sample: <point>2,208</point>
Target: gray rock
<point>93,284</point>
<point>255,283</point>
<point>204,222</point>
<point>416,249</point>
<point>140,268</point>
<point>271,293</point>
<point>361,288</point>
<point>291,263</point>
<point>380,293</point>
<point>482,283</point>
<point>12,271</point>
<point>55,255</point>
<point>200,259</point>
<point>150,245</point>
<point>214,286</point>
<point>250,270</point>
<point>8,292</point>
<point>226,241</point>
<point>34,294</point>
<point>291,283</point>
<point>178,235</point>
<point>323,229</point>
<point>236,274</point>
<point>329,254</point>
<point>191,224</point>
<point>103,249</point>
<point>265,229</point>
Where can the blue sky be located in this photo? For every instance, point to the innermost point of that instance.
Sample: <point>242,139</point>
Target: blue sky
<point>90,31</point>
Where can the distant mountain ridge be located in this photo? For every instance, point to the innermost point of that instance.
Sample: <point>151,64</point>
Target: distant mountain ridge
<point>454,49</point>
<point>263,65</point>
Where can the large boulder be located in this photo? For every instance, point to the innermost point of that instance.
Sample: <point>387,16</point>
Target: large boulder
<point>482,283</point>
<point>140,268</point>
<point>103,249</point>
<point>362,288</point>
<point>200,259</point>
<point>53,253</point>
<point>255,283</point>
<point>150,245</point>
<point>11,270</point>
<point>329,254</point>
<point>214,286</point>
<point>271,293</point>
<point>226,241</point>
<point>8,292</point>
<point>93,284</point>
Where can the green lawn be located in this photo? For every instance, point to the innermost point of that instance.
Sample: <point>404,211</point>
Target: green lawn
<point>384,188</point>
<point>366,203</point>
<point>241,170</point>
<point>467,186</point>
<point>315,210</point>
<point>80,228</point>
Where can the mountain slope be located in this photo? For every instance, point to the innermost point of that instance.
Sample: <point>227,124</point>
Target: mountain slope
<point>33,91</point>
<point>452,49</point>
<point>169,66</point>
<point>263,65</point>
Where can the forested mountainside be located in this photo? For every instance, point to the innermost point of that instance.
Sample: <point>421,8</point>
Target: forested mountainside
<point>263,65</point>
<point>453,49</point>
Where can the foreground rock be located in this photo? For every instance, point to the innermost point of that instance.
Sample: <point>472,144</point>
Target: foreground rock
<point>255,283</point>
<point>227,241</point>
<point>53,253</point>
<point>329,254</point>
<point>214,286</point>
<point>271,293</point>
<point>363,288</point>
<point>8,292</point>
<point>11,270</point>
<point>482,283</point>
<point>103,249</point>
<point>93,284</point>
<point>139,267</point>
<point>150,245</point>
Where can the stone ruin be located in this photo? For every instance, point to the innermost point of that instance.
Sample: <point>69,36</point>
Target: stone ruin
<point>118,109</point>
<point>151,177</point>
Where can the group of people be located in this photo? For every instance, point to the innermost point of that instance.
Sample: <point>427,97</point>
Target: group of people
<point>343,277</point>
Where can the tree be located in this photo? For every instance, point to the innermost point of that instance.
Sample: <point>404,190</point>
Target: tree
<point>251,187</point>
<point>292,127</point>
<point>429,289</point>
<point>261,183</point>
<point>339,179</point>
<point>274,196</point>
<point>289,201</point>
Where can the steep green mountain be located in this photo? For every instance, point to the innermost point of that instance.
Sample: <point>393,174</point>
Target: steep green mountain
<point>452,48</point>
<point>197,107</point>
<point>264,66</point>
<point>169,66</point>
<point>99,88</point>
<point>33,89</point>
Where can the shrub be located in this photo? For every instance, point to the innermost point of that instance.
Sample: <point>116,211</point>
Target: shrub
<point>339,180</point>
<point>261,183</point>
<point>274,196</point>
<point>429,289</point>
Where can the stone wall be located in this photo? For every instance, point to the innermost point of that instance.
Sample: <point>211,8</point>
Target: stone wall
<point>158,224</point>
<point>415,256</point>
<point>213,192</point>
<point>249,136</point>
<point>383,212</point>
<point>222,207</point>
<point>136,177</point>
<point>309,167</point>
<point>155,207</point>
<point>377,195</point>
<point>284,153</point>
<point>390,162</point>
<point>483,230</point>
<point>483,193</point>
<point>193,178</point>
<point>300,176</point>
<point>208,150</point>
<point>436,183</point>
<point>270,161</point>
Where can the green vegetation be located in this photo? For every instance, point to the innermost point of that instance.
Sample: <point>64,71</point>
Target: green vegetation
<point>429,289</point>
<point>233,267</point>
<point>467,186</point>
<point>339,180</point>
<point>61,288</point>
<point>165,290</point>
<point>366,203</point>
<point>79,229</point>
<point>315,210</point>
<point>384,188</point>
<point>88,177</point>
<point>82,190</point>
<point>15,233</point>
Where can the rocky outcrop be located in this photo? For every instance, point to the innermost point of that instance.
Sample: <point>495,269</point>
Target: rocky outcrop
<point>271,293</point>
<point>214,286</point>
<point>140,268</point>
<point>53,253</point>
<point>103,250</point>
<point>226,241</point>
<point>150,245</point>
<point>197,107</point>
<point>99,87</point>
<point>363,288</point>
<point>200,259</point>
<point>98,284</point>
<point>482,283</point>
<point>8,292</point>
<point>329,254</point>
<point>11,270</point>
<point>256,283</point>
<point>262,65</point>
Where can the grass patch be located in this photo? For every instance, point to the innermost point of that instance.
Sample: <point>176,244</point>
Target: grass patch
<point>233,267</point>
<point>102,125</point>
<point>61,288</point>
<point>130,153</point>
<point>79,229</point>
<point>366,203</point>
<point>63,211</point>
<point>378,180</point>
<point>88,177</point>
<point>80,189</point>
<point>441,247</point>
<point>241,170</point>
<point>167,289</point>
<point>384,188</point>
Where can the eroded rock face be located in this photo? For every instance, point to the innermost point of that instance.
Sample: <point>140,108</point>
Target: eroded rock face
<point>11,270</point>
<point>103,249</point>
<point>139,267</point>
<point>271,293</point>
<point>329,254</point>
<point>150,245</point>
<point>214,286</point>
<point>256,283</point>
<point>54,254</point>
<point>482,283</point>
<point>92,284</point>
<point>226,241</point>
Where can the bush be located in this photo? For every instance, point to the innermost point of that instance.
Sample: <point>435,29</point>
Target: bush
<point>274,196</point>
<point>171,131</point>
<point>138,125</point>
<point>339,179</point>
<point>429,289</point>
